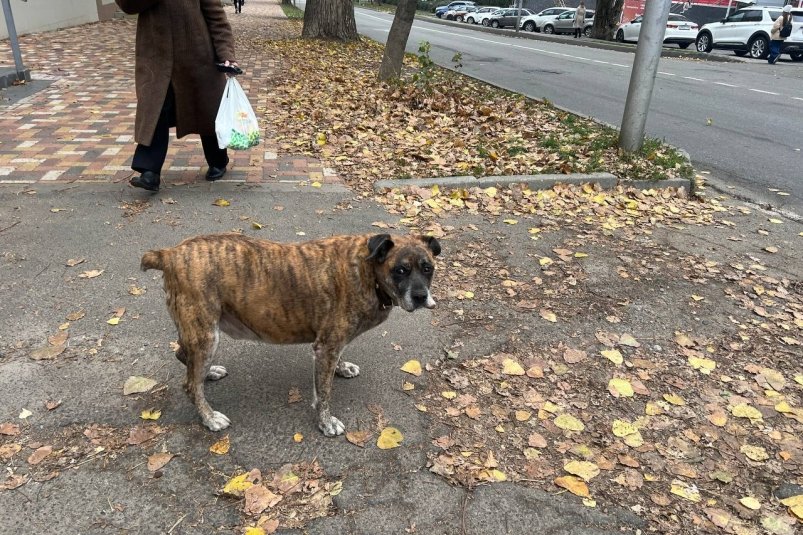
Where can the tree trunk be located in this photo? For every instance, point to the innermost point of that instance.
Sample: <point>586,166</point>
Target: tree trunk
<point>393,58</point>
<point>606,19</point>
<point>287,2</point>
<point>330,19</point>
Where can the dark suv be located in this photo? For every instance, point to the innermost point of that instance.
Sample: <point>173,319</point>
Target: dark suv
<point>506,18</point>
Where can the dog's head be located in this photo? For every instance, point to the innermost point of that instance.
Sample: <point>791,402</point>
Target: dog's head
<point>404,266</point>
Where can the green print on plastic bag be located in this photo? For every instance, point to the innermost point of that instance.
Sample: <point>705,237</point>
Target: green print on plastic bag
<point>240,141</point>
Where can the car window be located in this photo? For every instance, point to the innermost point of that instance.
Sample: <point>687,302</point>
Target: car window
<point>678,18</point>
<point>797,17</point>
<point>736,17</point>
<point>774,14</point>
<point>567,15</point>
<point>753,16</point>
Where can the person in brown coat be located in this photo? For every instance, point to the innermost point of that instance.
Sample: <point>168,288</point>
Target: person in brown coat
<point>178,84</point>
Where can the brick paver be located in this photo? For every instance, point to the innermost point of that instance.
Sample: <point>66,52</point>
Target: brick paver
<point>81,127</point>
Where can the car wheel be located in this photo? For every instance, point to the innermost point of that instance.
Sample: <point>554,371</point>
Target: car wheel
<point>460,18</point>
<point>587,31</point>
<point>549,29</point>
<point>797,56</point>
<point>740,53</point>
<point>485,23</point>
<point>684,46</point>
<point>703,42</point>
<point>758,47</point>
<point>495,24</point>
<point>470,20</point>
<point>529,26</point>
<point>620,36</point>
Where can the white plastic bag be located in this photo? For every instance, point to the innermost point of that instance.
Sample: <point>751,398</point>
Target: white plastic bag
<point>236,125</point>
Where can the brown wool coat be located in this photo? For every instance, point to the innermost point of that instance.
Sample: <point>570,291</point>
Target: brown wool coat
<point>179,42</point>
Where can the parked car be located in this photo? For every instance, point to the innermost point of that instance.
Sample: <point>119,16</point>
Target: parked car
<point>533,23</point>
<point>746,32</point>
<point>506,18</point>
<point>440,11</point>
<point>460,13</point>
<point>482,18</point>
<point>793,45</point>
<point>481,12</point>
<point>679,31</point>
<point>564,23</point>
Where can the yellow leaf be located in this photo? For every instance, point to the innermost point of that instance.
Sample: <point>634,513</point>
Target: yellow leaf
<point>523,416</point>
<point>550,407</point>
<point>221,202</point>
<point>573,484</point>
<point>407,386</point>
<point>420,407</point>
<point>620,388</point>
<point>750,503</point>
<point>718,418</point>
<point>412,367</point>
<point>238,484</point>
<point>64,326</point>
<point>251,530</point>
<point>490,192</point>
<point>534,230</point>
<point>744,410</point>
<point>255,225</point>
<point>137,385</point>
<point>703,364</point>
<point>797,510</point>
<point>512,367</point>
<point>588,502</point>
<point>449,394</point>
<point>635,440</point>
<point>799,379</point>
<point>776,221</point>
<point>320,138</point>
<point>613,355</point>
<point>754,453</point>
<point>510,221</point>
<point>545,261</point>
<point>468,295</point>
<point>622,428</point>
<point>684,490</point>
<point>793,501</point>
<point>113,321</point>
<point>548,315</point>
<point>436,190</point>
<point>697,297</point>
<point>492,475</point>
<point>221,447</point>
<point>151,414</point>
<point>389,438</point>
<point>568,422</point>
<point>674,399</point>
<point>316,184</point>
<point>298,437</point>
<point>581,255</point>
<point>583,469</point>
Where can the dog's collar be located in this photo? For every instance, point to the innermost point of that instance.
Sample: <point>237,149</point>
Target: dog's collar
<point>384,299</point>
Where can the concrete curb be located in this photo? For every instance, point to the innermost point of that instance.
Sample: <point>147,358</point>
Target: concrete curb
<point>536,182</point>
<point>9,75</point>
<point>590,43</point>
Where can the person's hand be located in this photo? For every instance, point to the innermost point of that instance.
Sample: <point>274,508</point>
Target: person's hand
<point>228,63</point>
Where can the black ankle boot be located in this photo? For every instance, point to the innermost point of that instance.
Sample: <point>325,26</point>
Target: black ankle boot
<point>147,180</point>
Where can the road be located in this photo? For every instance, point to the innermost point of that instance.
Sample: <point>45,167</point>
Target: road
<point>741,122</point>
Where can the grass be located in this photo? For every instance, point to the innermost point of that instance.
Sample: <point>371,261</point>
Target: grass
<point>292,12</point>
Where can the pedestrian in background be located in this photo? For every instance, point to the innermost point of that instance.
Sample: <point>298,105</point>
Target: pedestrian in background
<point>238,6</point>
<point>178,44</point>
<point>776,34</point>
<point>579,19</point>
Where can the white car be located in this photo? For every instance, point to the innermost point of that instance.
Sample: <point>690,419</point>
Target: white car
<point>481,13</point>
<point>745,31</point>
<point>534,23</point>
<point>679,31</point>
<point>483,17</point>
<point>793,45</point>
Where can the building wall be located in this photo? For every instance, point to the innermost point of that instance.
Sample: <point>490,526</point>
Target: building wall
<point>42,15</point>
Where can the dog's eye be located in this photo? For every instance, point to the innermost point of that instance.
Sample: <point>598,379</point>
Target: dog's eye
<point>426,268</point>
<point>401,270</point>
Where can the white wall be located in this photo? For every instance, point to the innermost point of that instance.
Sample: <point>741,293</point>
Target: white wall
<point>43,15</point>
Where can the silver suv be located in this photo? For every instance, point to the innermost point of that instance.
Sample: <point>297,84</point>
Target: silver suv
<point>745,31</point>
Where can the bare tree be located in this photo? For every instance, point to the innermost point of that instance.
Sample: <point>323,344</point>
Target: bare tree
<point>393,57</point>
<point>330,19</point>
<point>606,18</point>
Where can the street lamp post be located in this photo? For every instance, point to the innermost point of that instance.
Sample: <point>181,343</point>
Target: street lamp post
<point>12,36</point>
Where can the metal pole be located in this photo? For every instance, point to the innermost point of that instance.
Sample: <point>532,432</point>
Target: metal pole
<point>12,36</point>
<point>728,11</point>
<point>642,76</point>
<point>518,15</point>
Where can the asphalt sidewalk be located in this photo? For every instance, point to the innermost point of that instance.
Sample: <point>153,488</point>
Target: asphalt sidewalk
<point>76,451</point>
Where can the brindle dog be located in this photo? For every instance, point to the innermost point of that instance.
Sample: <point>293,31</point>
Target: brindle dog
<point>326,292</point>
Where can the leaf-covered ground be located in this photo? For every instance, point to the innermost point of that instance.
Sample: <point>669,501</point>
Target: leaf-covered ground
<point>620,369</point>
<point>327,102</point>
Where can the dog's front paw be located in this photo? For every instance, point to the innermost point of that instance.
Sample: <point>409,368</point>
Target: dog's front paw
<point>347,369</point>
<point>217,421</point>
<point>216,372</point>
<point>331,427</point>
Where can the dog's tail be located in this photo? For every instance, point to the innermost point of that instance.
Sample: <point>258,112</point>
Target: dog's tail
<point>153,260</point>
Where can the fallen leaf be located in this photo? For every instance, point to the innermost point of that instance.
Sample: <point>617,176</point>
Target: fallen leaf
<point>75,261</point>
<point>359,438</point>
<point>706,366</point>
<point>75,316</point>
<point>157,461</point>
<point>449,394</point>
<point>136,290</point>
<point>59,338</point>
<point>412,367</point>
<point>222,446</point>
<point>51,405</point>
<point>583,469</point>
<point>258,498</point>
<point>523,416</point>
<point>573,484</point>
<point>7,451</point>
<point>407,386</point>
<point>48,352</point>
<point>536,440</point>
<point>151,414</point>
<point>14,481</point>
<point>237,485</point>
<point>750,502</point>
<point>754,453</point>
<point>39,455</point>
<point>221,202</point>
<point>777,525</point>
<point>141,434</point>
<point>24,414</point>
<point>548,315</point>
<point>620,388</point>
<point>628,340</point>
<point>113,320</point>
<point>137,385</point>
<point>512,367</point>
<point>298,437</point>
<point>745,410</point>
<point>573,356</point>
<point>568,422</point>
<point>674,399</point>
<point>686,490</point>
<point>510,221</point>
<point>9,429</point>
<point>613,355</point>
<point>293,395</point>
<point>91,274</point>
<point>389,438</point>
<point>622,428</point>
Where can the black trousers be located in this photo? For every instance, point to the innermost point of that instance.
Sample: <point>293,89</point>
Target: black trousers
<point>238,6</point>
<point>152,157</point>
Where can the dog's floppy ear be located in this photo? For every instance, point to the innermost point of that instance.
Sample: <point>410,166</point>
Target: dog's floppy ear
<point>379,246</point>
<point>433,244</point>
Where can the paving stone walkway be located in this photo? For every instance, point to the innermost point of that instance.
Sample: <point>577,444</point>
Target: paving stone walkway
<point>80,128</point>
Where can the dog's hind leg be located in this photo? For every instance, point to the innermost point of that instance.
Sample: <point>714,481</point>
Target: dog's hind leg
<point>327,353</point>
